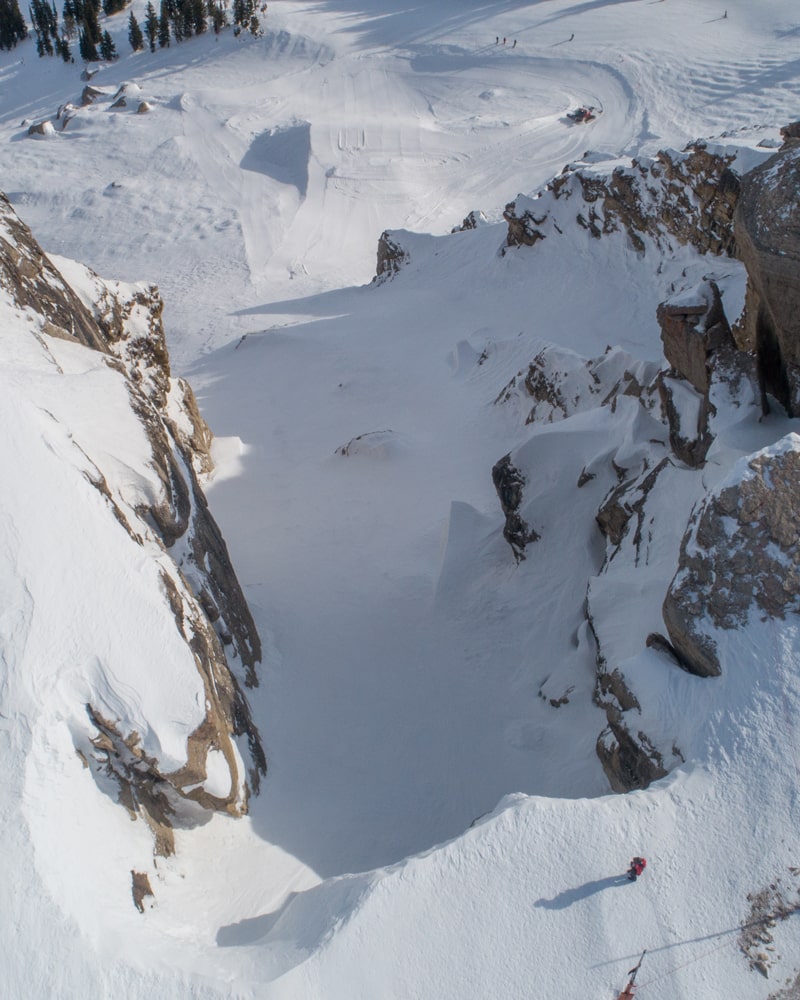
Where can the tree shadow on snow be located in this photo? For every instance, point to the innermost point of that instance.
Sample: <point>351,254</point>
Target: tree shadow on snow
<point>387,22</point>
<point>570,896</point>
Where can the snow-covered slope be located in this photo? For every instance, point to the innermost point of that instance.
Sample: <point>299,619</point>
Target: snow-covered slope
<point>416,673</point>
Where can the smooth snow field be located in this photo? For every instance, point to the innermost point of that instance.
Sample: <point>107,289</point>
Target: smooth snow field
<point>431,827</point>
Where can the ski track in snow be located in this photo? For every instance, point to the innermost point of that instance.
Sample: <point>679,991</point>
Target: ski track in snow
<point>406,652</point>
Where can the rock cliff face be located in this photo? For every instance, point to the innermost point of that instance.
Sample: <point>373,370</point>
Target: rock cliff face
<point>768,238</point>
<point>163,511</point>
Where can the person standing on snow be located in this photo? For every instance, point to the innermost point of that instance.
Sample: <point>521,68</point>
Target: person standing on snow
<point>638,865</point>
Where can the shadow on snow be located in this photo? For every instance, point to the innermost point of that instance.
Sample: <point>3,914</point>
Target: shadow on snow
<point>570,896</point>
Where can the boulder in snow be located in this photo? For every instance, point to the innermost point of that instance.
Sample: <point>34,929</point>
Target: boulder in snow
<point>43,129</point>
<point>90,95</point>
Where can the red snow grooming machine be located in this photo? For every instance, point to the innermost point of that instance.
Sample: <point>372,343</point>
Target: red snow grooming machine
<point>582,116</point>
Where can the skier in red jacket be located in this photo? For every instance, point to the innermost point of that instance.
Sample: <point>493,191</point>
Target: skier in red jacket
<point>638,865</point>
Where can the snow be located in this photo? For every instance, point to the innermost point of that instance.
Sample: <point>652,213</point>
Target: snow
<point>431,826</point>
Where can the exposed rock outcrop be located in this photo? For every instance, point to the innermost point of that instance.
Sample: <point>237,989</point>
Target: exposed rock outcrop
<point>165,514</point>
<point>509,481</point>
<point>391,256</point>
<point>90,95</point>
<point>626,504</point>
<point>695,332</point>
<point>629,761</point>
<point>472,220</point>
<point>524,228</point>
<point>693,326</point>
<point>790,135</point>
<point>34,283</point>
<point>740,556</point>
<point>768,239</point>
<point>687,412</point>
<point>558,383</point>
<point>687,198</point>
<point>140,889</point>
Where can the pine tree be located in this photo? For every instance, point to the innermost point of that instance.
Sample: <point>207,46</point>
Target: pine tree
<point>89,22</point>
<point>44,19</point>
<point>151,26</point>
<point>198,8</point>
<point>245,17</point>
<point>218,16</point>
<point>135,36</point>
<point>177,25</point>
<point>68,16</point>
<point>108,49</point>
<point>187,19</point>
<point>87,48</point>
<point>62,48</point>
<point>163,27</point>
<point>12,24</point>
<point>239,7</point>
<point>44,46</point>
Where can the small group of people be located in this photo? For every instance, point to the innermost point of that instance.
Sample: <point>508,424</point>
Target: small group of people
<point>497,41</point>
